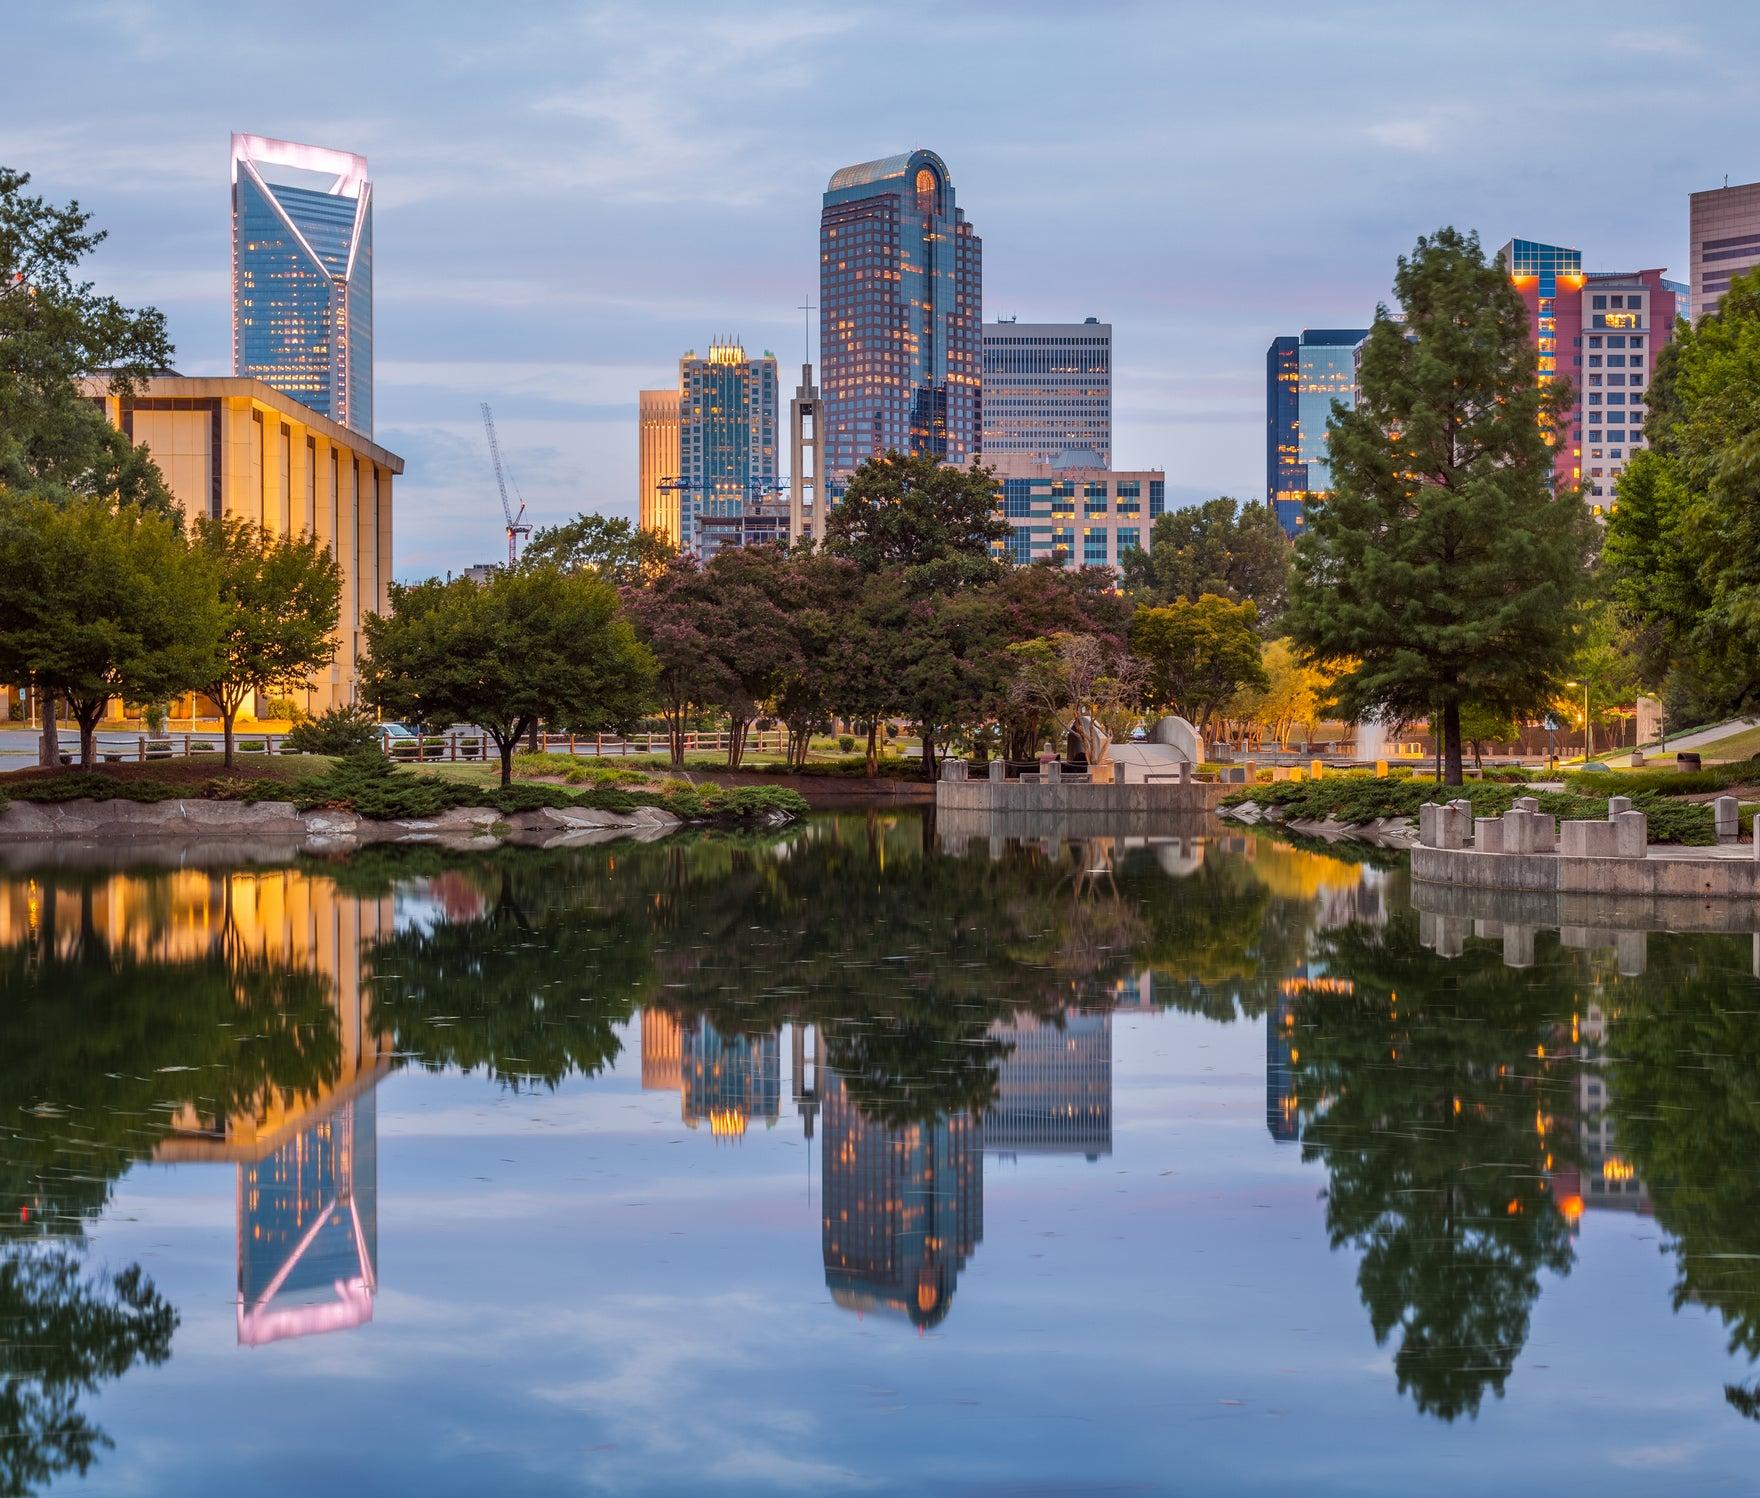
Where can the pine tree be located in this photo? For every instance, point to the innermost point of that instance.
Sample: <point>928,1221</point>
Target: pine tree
<point>1444,566</point>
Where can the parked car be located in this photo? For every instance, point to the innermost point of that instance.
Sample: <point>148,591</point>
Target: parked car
<point>396,731</point>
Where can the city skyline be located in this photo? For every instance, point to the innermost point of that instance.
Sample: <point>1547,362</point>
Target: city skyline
<point>549,242</point>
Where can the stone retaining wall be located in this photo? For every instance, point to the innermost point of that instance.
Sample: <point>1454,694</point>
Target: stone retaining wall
<point>1031,798</point>
<point>1557,873</point>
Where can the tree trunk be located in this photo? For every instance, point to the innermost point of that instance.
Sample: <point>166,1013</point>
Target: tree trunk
<point>49,748</point>
<point>88,738</point>
<point>1451,734</point>
<point>675,737</point>
<point>531,744</point>
<point>228,717</point>
<point>928,754</point>
<point>504,745</point>
<point>873,748</point>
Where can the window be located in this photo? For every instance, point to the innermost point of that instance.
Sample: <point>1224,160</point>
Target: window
<point>1594,436</point>
<point>1157,497</point>
<point>1017,498</point>
<point>1129,539</point>
<point>1594,361</point>
<point>1598,302</point>
<point>1594,341</point>
<point>1094,546</point>
<point>1020,544</point>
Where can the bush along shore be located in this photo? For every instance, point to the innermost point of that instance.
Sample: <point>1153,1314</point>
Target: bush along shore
<point>1359,806</point>
<point>366,799</point>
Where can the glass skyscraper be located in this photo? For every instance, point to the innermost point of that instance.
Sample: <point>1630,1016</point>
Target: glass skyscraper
<point>728,490</point>
<point>1303,376</point>
<point>900,315</point>
<point>302,275</point>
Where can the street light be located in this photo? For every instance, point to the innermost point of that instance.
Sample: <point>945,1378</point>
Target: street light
<point>1588,732</point>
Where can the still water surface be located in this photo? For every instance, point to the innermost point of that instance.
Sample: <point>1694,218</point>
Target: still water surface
<point>864,1159</point>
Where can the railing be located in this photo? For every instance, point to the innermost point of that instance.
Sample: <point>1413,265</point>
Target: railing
<point>453,745</point>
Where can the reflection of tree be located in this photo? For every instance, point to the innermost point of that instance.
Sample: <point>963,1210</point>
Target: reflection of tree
<point>103,1049</point>
<point>1424,1091</point>
<point>1686,1046</point>
<point>533,989</point>
<point>64,1334</point>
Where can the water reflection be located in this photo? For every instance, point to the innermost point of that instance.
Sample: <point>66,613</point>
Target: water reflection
<point>1469,1086</point>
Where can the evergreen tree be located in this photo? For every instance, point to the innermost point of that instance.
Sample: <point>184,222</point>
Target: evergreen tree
<point>1444,567</point>
<point>936,522</point>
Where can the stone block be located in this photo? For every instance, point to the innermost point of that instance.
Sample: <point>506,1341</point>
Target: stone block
<point>1527,803</point>
<point>1631,835</point>
<point>1316,768</point>
<point>1617,804</point>
<point>1236,775</point>
<point>953,769</point>
<point>1429,815</point>
<point>1488,834</point>
<point>1451,935</point>
<point>1381,769</point>
<point>1295,772</point>
<point>1726,815</point>
<point>1185,774</point>
<point>1052,772</point>
<point>998,772</point>
<point>1588,840</point>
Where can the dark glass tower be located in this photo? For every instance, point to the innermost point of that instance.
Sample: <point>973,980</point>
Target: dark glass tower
<point>302,275</point>
<point>900,315</point>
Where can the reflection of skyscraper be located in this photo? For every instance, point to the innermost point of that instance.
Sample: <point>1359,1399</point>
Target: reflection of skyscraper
<point>1600,1178</point>
<point>807,1056</point>
<point>308,1229</point>
<point>903,1208</point>
<point>1280,1095</point>
<point>1054,1088</point>
<point>660,1051</point>
<point>729,1079</point>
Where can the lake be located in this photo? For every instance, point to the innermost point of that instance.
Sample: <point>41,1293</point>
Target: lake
<point>863,1157</point>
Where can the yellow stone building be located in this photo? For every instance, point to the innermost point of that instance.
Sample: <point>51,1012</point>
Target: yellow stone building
<point>235,447</point>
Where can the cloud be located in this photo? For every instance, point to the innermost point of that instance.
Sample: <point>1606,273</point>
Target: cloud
<point>1423,132</point>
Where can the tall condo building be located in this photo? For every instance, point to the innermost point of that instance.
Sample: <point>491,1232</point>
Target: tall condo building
<point>1304,374</point>
<point>1724,225</point>
<point>1075,509</point>
<point>1602,331</point>
<point>726,487</point>
<point>900,316</point>
<point>302,275</point>
<point>1047,387</point>
<point>657,493</point>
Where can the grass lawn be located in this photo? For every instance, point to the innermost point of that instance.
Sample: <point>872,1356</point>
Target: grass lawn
<point>1743,744</point>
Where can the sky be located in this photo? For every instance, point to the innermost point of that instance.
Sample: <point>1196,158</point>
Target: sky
<point>569,196</point>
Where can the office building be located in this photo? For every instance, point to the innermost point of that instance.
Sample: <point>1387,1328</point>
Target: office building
<point>1304,374</point>
<point>903,1207</point>
<point>1724,227</point>
<point>657,494</point>
<point>1053,1087</point>
<point>900,316</point>
<point>1047,387</point>
<point>237,448</point>
<point>302,275</point>
<point>1076,509</point>
<point>1601,331</point>
<point>726,490</point>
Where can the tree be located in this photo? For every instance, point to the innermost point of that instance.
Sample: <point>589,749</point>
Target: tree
<point>1233,550</point>
<point>535,644</point>
<point>1198,654</point>
<point>915,513</point>
<point>1082,680</point>
<point>950,666</point>
<point>820,595</point>
<point>1683,539</point>
<point>1290,697</point>
<point>613,549</point>
<point>671,617</point>
<point>1480,725</point>
<point>1444,568</point>
<point>752,637</point>
<point>54,331</point>
<point>99,601</point>
<point>280,599</point>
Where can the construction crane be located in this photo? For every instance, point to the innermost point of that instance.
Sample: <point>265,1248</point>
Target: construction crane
<point>517,528</point>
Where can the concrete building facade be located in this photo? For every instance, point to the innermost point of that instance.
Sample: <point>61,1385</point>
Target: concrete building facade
<point>1047,387</point>
<point>235,447</point>
<point>1724,229</point>
<point>1076,508</point>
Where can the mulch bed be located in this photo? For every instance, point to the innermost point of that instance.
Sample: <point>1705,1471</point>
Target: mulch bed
<point>194,772</point>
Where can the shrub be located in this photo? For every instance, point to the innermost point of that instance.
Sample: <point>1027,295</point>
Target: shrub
<point>846,742</point>
<point>227,788</point>
<point>340,732</point>
<point>1664,782</point>
<point>84,785</point>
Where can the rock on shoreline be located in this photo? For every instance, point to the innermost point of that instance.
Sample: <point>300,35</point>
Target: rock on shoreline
<point>120,820</point>
<point>1383,832</point>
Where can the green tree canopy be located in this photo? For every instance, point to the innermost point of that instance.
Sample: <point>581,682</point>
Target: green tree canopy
<point>535,644</point>
<point>1683,541</point>
<point>100,601</point>
<point>280,598</point>
<point>1236,551</point>
<point>54,331</point>
<point>1444,566</point>
<point>1198,654</point>
<point>612,549</point>
<point>933,521</point>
